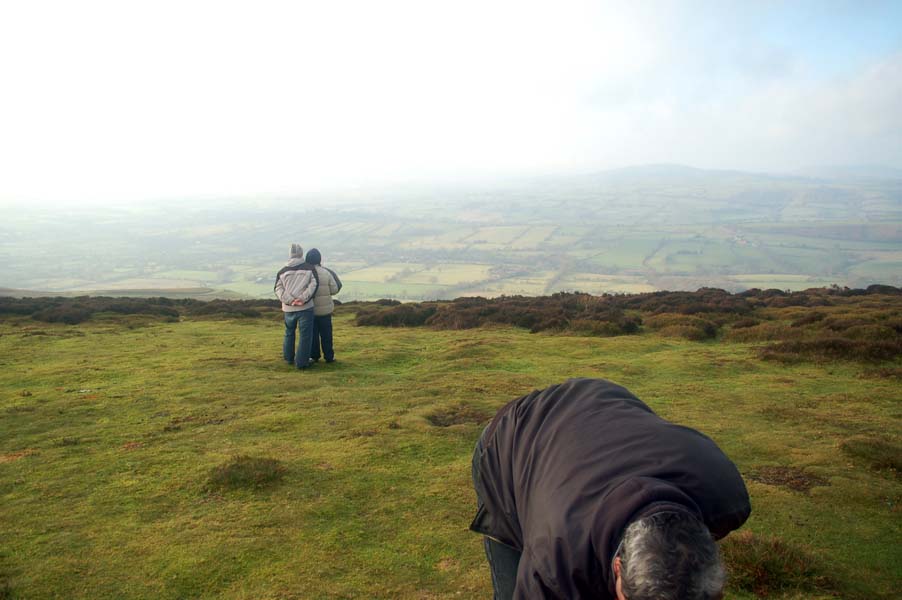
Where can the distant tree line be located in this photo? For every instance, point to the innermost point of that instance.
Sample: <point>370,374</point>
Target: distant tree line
<point>79,309</point>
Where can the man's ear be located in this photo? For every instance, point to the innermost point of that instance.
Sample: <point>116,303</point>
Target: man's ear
<point>618,585</point>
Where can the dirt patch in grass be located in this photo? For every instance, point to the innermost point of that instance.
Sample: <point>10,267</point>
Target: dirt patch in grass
<point>447,564</point>
<point>793,478</point>
<point>247,472</point>
<point>878,454</point>
<point>14,456</point>
<point>128,446</point>
<point>460,414</point>
<point>766,566</point>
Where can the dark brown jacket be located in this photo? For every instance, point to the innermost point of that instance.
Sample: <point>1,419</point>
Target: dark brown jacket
<point>565,469</point>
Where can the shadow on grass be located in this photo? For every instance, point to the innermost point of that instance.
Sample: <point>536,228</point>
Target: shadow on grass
<point>766,566</point>
<point>246,472</point>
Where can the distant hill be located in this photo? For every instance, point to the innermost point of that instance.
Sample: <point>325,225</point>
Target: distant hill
<point>852,172</point>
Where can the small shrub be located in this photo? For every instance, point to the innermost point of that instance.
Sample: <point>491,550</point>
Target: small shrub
<point>883,289</point>
<point>401,315</point>
<point>686,332</point>
<point>745,323</point>
<point>833,347</point>
<point>843,323</point>
<point>812,317</point>
<point>247,472</point>
<point>766,331</point>
<point>871,332</point>
<point>599,328</point>
<point>677,325</point>
<point>766,566</point>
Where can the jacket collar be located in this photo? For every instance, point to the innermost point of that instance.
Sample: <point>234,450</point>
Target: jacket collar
<point>632,499</point>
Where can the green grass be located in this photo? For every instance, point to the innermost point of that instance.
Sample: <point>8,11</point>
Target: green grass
<point>109,437</point>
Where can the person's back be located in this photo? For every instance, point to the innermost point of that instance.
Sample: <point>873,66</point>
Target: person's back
<point>329,285</point>
<point>561,473</point>
<point>296,285</point>
<point>323,307</point>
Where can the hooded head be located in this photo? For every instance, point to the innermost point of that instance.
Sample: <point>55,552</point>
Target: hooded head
<point>314,257</point>
<point>296,251</point>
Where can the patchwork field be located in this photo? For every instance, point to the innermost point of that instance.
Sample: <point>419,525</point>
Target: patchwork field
<point>123,443</point>
<point>676,230</point>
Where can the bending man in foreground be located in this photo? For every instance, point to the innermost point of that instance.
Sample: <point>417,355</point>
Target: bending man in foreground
<point>583,492</point>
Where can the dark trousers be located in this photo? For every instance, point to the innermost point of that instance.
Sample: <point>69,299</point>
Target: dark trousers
<point>301,320</point>
<point>322,334</point>
<point>503,559</point>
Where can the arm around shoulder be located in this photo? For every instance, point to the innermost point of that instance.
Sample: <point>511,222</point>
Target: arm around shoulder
<point>334,282</point>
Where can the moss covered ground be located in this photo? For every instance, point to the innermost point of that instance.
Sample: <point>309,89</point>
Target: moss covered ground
<point>116,436</point>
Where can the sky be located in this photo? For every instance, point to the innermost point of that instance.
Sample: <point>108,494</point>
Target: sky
<point>135,101</point>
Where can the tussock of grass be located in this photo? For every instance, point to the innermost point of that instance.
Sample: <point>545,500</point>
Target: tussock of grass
<point>247,472</point>
<point>745,322</point>
<point>460,414</point>
<point>687,332</point>
<point>765,565</point>
<point>763,332</point>
<point>885,373</point>
<point>808,319</point>
<point>877,453</point>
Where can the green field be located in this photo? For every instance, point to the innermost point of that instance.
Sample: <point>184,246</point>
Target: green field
<point>110,432</point>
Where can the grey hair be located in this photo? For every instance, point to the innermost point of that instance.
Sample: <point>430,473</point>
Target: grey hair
<point>296,251</point>
<point>670,556</point>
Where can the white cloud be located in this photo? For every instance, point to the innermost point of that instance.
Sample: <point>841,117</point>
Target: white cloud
<point>113,100</point>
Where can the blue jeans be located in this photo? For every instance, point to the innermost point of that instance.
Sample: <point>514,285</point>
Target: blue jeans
<point>503,559</point>
<point>322,332</point>
<point>302,320</point>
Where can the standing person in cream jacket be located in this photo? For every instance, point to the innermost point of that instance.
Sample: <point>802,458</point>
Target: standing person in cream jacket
<point>296,284</point>
<point>329,285</point>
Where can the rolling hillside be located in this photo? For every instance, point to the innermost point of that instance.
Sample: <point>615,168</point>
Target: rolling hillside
<point>152,456</point>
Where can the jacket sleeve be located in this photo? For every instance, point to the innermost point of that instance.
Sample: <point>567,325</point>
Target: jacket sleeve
<point>334,283</point>
<point>309,284</point>
<point>280,292</point>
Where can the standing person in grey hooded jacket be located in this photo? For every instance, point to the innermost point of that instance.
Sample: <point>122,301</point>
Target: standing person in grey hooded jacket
<point>329,285</point>
<point>296,285</point>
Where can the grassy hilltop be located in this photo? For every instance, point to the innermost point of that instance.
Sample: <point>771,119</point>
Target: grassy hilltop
<point>177,456</point>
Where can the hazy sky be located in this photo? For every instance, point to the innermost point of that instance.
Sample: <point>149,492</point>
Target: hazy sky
<point>127,100</point>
